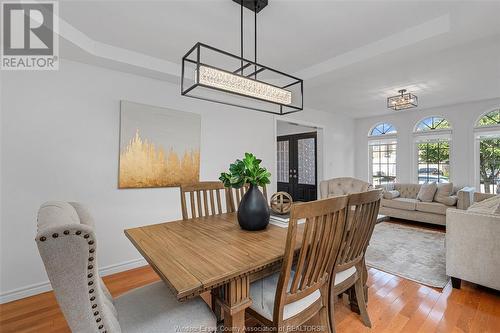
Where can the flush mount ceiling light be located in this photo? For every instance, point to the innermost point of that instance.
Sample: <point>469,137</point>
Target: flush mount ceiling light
<point>218,76</point>
<point>402,101</point>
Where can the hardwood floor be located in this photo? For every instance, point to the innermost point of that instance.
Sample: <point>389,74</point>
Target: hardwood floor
<point>395,305</point>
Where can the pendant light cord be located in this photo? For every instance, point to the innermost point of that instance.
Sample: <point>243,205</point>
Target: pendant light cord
<point>255,43</point>
<point>255,40</point>
<point>241,35</point>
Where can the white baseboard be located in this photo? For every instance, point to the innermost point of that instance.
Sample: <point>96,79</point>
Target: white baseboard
<point>42,287</point>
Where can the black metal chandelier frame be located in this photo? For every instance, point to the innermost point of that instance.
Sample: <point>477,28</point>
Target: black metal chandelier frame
<point>411,101</point>
<point>194,57</point>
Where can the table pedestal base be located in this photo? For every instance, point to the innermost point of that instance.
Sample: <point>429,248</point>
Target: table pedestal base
<point>235,298</point>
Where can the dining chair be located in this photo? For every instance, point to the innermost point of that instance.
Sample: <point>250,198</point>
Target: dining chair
<point>205,199</point>
<point>291,297</point>
<point>350,265</point>
<point>67,243</point>
<point>238,193</point>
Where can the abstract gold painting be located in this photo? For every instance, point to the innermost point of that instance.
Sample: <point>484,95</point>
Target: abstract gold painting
<point>159,147</point>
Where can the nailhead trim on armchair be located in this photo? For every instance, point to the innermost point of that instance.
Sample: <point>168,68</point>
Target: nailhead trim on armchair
<point>90,275</point>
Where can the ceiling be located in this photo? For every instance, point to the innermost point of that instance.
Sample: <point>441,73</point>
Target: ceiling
<point>351,54</point>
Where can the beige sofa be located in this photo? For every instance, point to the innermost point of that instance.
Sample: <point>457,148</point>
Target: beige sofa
<point>407,206</point>
<point>473,246</point>
<point>342,186</point>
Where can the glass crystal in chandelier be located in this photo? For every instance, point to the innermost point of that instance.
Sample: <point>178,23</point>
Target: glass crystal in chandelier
<point>402,101</point>
<point>216,78</point>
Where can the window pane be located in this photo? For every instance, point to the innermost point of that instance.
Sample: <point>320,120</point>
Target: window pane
<point>434,162</point>
<point>383,163</point>
<point>283,160</point>
<point>307,161</point>
<point>489,165</point>
<point>383,129</point>
<point>432,123</point>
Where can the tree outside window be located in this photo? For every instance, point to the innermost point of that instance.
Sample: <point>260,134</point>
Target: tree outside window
<point>489,165</point>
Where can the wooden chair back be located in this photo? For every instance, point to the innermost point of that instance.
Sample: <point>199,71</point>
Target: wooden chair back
<point>238,193</point>
<point>324,229</point>
<point>361,220</point>
<point>205,199</point>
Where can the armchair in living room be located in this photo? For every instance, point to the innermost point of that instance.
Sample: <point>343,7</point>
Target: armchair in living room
<point>342,186</point>
<point>473,243</point>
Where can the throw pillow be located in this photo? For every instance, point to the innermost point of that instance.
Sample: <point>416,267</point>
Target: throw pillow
<point>449,201</point>
<point>427,191</point>
<point>488,206</point>
<point>391,194</point>
<point>444,191</point>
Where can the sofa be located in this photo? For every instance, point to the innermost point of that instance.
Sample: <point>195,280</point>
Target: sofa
<point>342,186</point>
<point>400,201</point>
<point>473,243</point>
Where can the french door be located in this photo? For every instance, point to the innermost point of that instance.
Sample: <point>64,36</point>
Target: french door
<point>297,165</point>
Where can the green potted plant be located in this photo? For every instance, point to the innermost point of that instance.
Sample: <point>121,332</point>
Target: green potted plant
<point>253,211</point>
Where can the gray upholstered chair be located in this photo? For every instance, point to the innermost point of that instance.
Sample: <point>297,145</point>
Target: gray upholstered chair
<point>342,186</point>
<point>68,246</point>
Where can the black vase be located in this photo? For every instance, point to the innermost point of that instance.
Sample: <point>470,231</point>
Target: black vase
<point>253,211</point>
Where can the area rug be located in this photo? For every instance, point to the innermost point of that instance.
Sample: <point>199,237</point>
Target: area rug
<point>412,253</point>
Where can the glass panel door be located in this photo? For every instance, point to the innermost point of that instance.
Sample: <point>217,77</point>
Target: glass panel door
<point>297,166</point>
<point>283,160</point>
<point>306,150</point>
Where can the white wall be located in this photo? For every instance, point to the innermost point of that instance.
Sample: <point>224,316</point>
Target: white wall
<point>59,141</point>
<point>462,118</point>
<point>286,128</point>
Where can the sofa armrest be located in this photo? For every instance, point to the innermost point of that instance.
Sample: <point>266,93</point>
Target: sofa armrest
<point>386,187</point>
<point>478,197</point>
<point>465,197</point>
<point>389,195</point>
<point>473,247</point>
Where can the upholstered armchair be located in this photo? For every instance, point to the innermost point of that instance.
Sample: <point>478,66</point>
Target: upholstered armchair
<point>473,244</point>
<point>342,186</point>
<point>67,243</point>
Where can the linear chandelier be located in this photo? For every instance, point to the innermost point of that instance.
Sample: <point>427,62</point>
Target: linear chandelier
<point>402,101</point>
<point>218,76</point>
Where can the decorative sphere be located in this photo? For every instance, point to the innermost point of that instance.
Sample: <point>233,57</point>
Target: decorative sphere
<point>281,202</point>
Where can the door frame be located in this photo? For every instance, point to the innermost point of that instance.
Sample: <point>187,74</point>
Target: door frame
<point>320,148</point>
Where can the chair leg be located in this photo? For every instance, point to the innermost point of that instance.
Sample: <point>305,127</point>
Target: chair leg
<point>324,320</point>
<point>456,282</point>
<point>330,308</point>
<point>360,296</point>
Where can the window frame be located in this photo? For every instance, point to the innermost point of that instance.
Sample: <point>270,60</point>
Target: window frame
<point>482,132</point>
<point>430,136</point>
<point>477,127</point>
<point>382,135</point>
<point>428,131</point>
<point>382,139</point>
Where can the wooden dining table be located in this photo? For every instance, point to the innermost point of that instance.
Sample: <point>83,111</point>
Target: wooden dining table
<point>212,253</point>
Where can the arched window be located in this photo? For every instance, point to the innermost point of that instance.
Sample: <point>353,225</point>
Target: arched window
<point>432,142</point>
<point>489,119</point>
<point>487,135</point>
<point>382,149</point>
<point>432,124</point>
<point>383,129</point>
